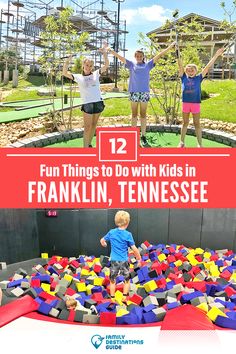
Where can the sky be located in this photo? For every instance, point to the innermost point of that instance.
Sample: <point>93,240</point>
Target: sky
<point>146,15</point>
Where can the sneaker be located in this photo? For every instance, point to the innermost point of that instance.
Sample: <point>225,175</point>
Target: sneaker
<point>181,145</point>
<point>144,142</point>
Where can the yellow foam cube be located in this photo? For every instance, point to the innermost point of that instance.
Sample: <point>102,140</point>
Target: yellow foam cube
<point>203,306</point>
<point>192,260</point>
<point>178,263</point>
<point>119,297</point>
<point>214,312</point>
<point>207,255</point>
<point>45,287</point>
<point>233,276</point>
<point>98,281</point>
<point>214,271</point>
<point>107,272</point>
<point>196,279</point>
<point>51,292</point>
<point>208,265</point>
<point>139,286</point>
<point>89,289</point>
<point>199,250</point>
<point>161,257</point>
<point>84,272</point>
<point>121,312</point>
<point>150,285</point>
<point>90,264</point>
<point>129,302</point>
<point>68,277</point>
<point>81,287</point>
<point>93,273</point>
<point>44,255</point>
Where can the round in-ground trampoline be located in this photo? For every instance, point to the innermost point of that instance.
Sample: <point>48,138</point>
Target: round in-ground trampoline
<point>157,136</point>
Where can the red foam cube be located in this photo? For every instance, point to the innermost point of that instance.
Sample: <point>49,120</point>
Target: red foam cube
<point>107,318</point>
<point>225,274</point>
<point>230,291</point>
<point>98,297</point>
<point>70,292</point>
<point>171,259</point>
<point>35,283</point>
<point>64,262</point>
<point>44,295</point>
<point>75,263</point>
<point>97,268</point>
<point>136,299</point>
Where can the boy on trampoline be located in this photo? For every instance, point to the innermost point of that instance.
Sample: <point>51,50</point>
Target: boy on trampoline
<point>120,239</point>
<point>191,94</point>
<point>139,88</point>
<point>92,103</point>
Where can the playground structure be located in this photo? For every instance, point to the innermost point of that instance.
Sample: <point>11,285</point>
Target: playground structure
<point>22,22</point>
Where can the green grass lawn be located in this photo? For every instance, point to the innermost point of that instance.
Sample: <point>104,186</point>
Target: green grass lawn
<point>154,139</point>
<point>221,106</point>
<point>22,94</point>
<point>30,81</point>
<point>6,109</point>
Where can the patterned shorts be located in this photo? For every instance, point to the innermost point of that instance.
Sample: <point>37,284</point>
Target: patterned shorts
<point>139,96</point>
<point>119,268</point>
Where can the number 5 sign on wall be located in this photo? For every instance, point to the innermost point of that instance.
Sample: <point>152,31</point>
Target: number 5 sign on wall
<point>117,144</point>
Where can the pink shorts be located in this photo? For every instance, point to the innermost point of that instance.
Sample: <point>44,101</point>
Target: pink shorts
<point>189,107</point>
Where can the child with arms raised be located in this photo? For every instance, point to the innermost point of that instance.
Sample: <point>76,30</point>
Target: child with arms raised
<point>191,95</point>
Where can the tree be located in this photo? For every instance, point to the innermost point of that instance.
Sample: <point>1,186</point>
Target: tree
<point>59,39</point>
<point>165,82</point>
<point>10,57</point>
<point>229,26</point>
<point>124,74</point>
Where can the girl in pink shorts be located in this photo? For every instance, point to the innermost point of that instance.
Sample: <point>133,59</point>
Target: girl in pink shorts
<point>191,95</point>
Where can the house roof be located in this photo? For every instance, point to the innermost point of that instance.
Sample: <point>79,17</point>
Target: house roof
<point>210,21</point>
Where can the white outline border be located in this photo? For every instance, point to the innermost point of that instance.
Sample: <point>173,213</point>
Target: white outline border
<point>118,131</point>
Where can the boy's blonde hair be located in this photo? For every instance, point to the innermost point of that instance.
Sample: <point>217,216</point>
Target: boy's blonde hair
<point>71,303</point>
<point>192,66</point>
<point>122,218</point>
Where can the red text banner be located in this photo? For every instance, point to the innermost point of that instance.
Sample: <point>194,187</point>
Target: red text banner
<point>118,173</point>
